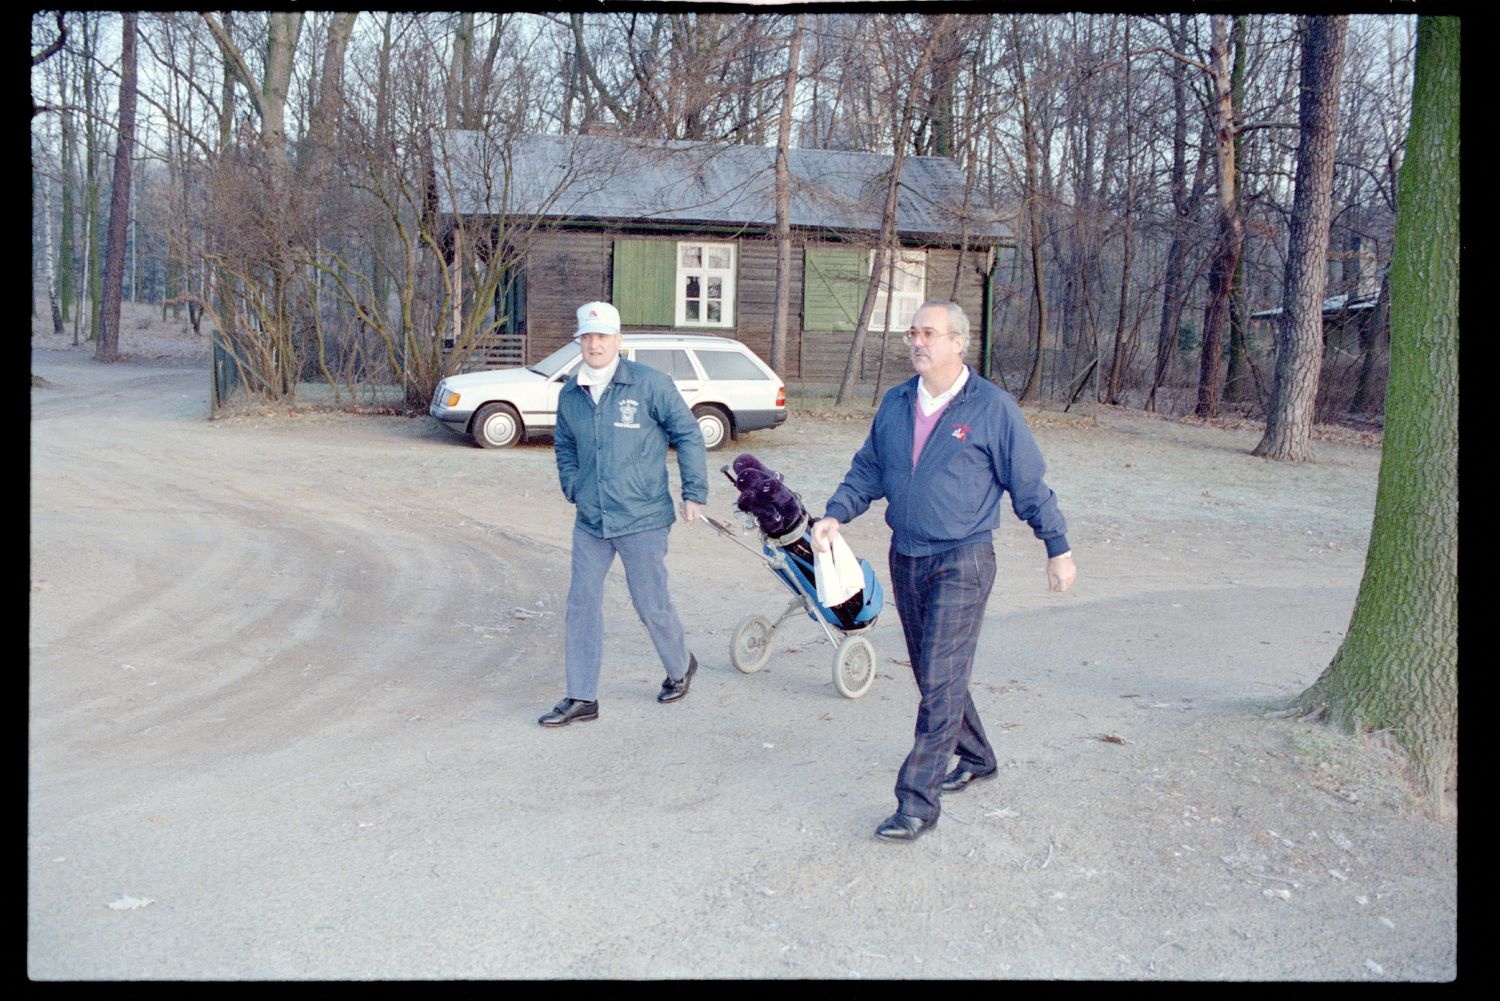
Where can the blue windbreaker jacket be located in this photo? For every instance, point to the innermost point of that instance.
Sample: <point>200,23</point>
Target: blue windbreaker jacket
<point>612,459</point>
<point>980,449</point>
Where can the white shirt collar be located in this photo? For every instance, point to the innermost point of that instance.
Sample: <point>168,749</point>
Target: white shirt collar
<point>931,404</point>
<point>595,379</point>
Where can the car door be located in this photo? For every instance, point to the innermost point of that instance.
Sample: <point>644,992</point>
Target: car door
<point>676,363</point>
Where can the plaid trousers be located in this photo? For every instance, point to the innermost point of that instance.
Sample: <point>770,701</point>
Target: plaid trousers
<point>941,600</point>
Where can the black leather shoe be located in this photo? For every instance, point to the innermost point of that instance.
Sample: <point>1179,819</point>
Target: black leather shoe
<point>570,711</point>
<point>900,827</point>
<point>963,775</point>
<point>671,690</point>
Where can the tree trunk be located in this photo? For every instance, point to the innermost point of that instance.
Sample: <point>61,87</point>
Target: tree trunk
<point>1299,336</point>
<point>67,267</point>
<point>1033,387</point>
<point>1397,669</point>
<point>1237,383</point>
<point>890,312</point>
<point>457,89</point>
<point>93,217</point>
<point>1117,356</point>
<point>1185,201</point>
<point>49,257</point>
<point>1230,229</point>
<point>1366,400</point>
<point>108,346</point>
<point>784,207</point>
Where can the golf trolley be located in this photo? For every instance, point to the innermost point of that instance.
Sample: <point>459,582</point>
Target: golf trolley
<point>789,556</point>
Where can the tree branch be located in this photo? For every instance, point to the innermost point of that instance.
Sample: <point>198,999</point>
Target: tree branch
<point>236,61</point>
<point>54,48</point>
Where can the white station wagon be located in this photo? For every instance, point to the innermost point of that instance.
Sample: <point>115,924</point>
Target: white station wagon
<point>726,386</point>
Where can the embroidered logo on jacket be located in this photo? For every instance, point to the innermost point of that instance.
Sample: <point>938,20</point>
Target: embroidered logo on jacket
<point>961,432</point>
<point>627,414</point>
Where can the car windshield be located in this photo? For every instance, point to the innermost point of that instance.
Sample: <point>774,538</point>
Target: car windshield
<point>557,360</point>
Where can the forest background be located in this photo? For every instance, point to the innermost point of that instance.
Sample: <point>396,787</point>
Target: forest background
<point>278,173</point>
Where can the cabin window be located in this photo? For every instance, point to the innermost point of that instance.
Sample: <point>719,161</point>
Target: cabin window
<point>674,283</point>
<point>910,289</point>
<point>705,284</point>
<point>835,280</point>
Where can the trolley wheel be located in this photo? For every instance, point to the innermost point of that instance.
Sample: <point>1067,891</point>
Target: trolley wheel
<point>854,667</point>
<point>751,646</point>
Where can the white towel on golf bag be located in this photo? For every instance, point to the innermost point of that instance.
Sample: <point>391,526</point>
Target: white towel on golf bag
<point>837,572</point>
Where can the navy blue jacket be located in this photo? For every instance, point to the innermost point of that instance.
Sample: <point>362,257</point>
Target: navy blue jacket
<point>980,449</point>
<point>612,459</point>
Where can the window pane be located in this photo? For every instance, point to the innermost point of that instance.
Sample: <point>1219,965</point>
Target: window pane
<point>656,358</point>
<point>729,365</point>
<point>690,310</point>
<point>692,256</point>
<point>715,287</point>
<point>682,368</point>
<point>718,257</point>
<point>692,288</point>
<point>715,312</point>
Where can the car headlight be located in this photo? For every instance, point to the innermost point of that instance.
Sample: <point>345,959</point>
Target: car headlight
<point>451,400</point>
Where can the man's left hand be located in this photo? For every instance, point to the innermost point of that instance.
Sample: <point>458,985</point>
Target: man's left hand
<point>690,511</point>
<point>1061,572</point>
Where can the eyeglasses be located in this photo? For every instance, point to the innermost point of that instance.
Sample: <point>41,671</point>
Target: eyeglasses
<point>924,336</point>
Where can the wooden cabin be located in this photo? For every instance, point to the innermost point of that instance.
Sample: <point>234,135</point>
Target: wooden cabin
<point>681,237</point>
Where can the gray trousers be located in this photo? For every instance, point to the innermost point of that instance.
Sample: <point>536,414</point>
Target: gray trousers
<point>642,554</point>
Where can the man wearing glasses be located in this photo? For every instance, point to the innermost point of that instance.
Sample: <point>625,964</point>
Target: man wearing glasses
<point>615,419</point>
<point>944,448</point>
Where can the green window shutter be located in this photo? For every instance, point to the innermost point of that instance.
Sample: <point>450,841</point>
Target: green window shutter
<point>645,271</point>
<point>833,287</point>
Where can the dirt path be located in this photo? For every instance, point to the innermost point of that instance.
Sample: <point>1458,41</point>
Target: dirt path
<point>284,674</point>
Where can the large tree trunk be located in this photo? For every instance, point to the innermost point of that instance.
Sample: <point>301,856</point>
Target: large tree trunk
<point>784,207</point>
<point>108,346</point>
<point>1299,340</point>
<point>1397,669</point>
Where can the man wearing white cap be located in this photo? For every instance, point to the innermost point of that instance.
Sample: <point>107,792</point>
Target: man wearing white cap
<point>615,419</point>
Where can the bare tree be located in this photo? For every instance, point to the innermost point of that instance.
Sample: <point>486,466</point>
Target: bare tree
<point>1230,236</point>
<point>1299,355</point>
<point>784,204</point>
<point>1186,198</point>
<point>1033,209</point>
<point>1117,355</point>
<point>108,345</point>
<point>936,32</point>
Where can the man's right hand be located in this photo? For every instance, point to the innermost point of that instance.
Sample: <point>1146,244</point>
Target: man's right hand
<point>823,531</point>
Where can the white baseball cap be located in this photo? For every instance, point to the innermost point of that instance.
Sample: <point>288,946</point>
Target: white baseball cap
<point>597,318</point>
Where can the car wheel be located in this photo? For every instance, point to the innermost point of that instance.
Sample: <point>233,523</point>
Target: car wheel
<point>714,425</point>
<point>497,425</point>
